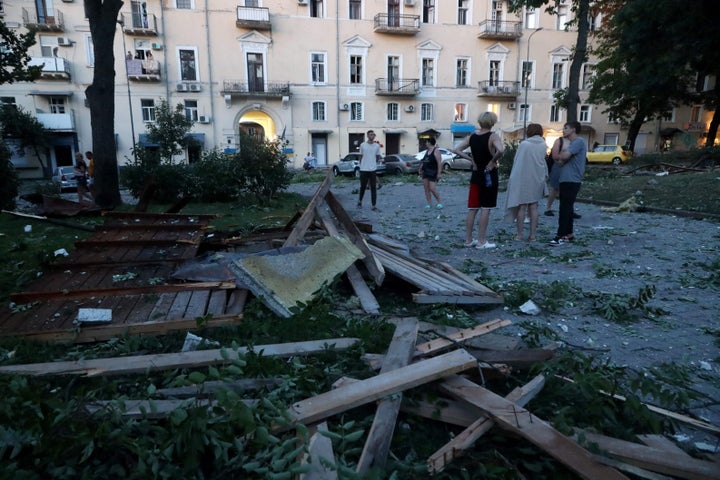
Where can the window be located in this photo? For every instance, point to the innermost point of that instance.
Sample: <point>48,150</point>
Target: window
<point>525,112</point>
<point>613,118</point>
<point>148,109</point>
<point>558,74</point>
<point>393,72</point>
<point>393,112</point>
<point>48,46</point>
<point>587,76</point>
<point>594,20</point>
<point>460,112</point>
<point>494,79</point>
<point>463,12</point>
<point>496,15</point>
<point>554,113</point>
<point>191,110</point>
<point>316,8</point>
<point>354,9</point>
<point>428,13</point>
<point>585,112</point>
<point>8,101</point>
<point>427,113</point>
<point>318,111</point>
<point>428,72</point>
<point>187,64</point>
<point>669,116</point>
<point>462,69</point>
<point>252,3</point>
<point>527,69</point>
<point>89,51</point>
<point>317,67</point>
<point>695,113</point>
<point>356,111</point>
<point>356,70</point>
<point>562,17</point>
<point>531,18</point>
<point>57,104</point>
<point>184,4</point>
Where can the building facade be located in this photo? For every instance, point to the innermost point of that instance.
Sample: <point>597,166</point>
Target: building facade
<point>316,73</point>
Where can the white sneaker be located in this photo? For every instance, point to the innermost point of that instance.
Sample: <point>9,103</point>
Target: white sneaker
<point>470,245</point>
<point>486,246</point>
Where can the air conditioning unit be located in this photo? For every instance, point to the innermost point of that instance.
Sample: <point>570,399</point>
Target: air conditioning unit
<point>409,3</point>
<point>344,106</point>
<point>512,106</point>
<point>182,87</point>
<point>64,42</point>
<point>156,46</point>
<point>410,108</point>
<point>302,2</point>
<point>194,87</point>
<point>203,119</point>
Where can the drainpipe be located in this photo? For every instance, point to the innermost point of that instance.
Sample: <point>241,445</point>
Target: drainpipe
<point>165,60</point>
<point>210,76</point>
<point>337,76</point>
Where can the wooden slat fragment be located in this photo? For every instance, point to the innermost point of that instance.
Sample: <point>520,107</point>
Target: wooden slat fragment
<point>165,361</point>
<point>309,214</point>
<point>399,354</point>
<point>521,422</point>
<point>660,442</point>
<point>460,336</point>
<point>320,457</point>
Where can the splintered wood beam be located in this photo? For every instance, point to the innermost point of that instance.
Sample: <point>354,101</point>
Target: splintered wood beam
<point>353,395</point>
<point>460,336</point>
<point>521,422</point>
<point>320,457</point>
<point>399,354</point>
<point>520,396</point>
<point>309,214</point>
<point>159,216</point>
<point>166,361</point>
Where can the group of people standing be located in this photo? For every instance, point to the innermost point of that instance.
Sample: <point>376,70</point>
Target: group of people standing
<point>532,170</point>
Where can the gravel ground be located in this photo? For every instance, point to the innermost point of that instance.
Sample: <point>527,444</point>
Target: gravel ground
<point>615,253</point>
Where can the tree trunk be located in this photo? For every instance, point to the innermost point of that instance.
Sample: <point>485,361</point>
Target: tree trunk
<point>635,125</point>
<point>579,58</point>
<point>102,16</point>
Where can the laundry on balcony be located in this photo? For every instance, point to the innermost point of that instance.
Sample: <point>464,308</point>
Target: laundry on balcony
<point>142,67</point>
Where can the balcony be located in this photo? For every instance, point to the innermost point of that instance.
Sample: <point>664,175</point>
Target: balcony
<point>496,30</point>
<point>44,20</point>
<point>398,87</point>
<point>140,25</point>
<point>490,88</point>
<point>53,68</point>
<point>253,17</point>
<point>57,122</point>
<point>263,90</point>
<point>695,126</point>
<point>397,24</point>
<point>143,70</point>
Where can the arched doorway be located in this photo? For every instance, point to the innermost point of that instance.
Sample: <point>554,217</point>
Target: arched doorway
<point>258,124</point>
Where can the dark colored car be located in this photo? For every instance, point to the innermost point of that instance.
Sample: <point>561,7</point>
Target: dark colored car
<point>401,163</point>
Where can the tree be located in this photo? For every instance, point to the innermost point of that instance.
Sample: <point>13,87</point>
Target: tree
<point>581,9</point>
<point>102,16</point>
<point>14,60</point>
<point>26,128</point>
<point>169,130</point>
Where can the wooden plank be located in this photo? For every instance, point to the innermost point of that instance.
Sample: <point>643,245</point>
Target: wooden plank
<point>660,442</point>
<point>454,412</point>
<point>399,354</point>
<point>521,422</point>
<point>373,265</point>
<point>353,395</point>
<point>320,457</point>
<point>523,358</point>
<point>637,471</point>
<point>165,361</point>
<point>464,440</point>
<point>134,242</point>
<point>460,336</point>
<point>154,408</point>
<point>211,388</point>
<point>162,306</point>
<point>236,302</point>
<point>660,461</point>
<point>179,305</point>
<point>143,216</point>
<point>450,299</point>
<point>309,214</point>
<point>367,299</point>
<point>492,341</point>
<point>216,302</point>
<point>26,297</point>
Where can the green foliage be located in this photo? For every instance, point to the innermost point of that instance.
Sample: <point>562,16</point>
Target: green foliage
<point>506,161</point>
<point>20,125</point>
<point>625,308</point>
<point>169,130</point>
<point>8,179</point>
<point>14,61</point>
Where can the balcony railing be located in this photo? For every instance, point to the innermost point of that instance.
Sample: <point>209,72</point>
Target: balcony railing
<point>695,126</point>
<point>270,89</point>
<point>138,24</point>
<point>494,29</point>
<point>493,88</point>
<point>253,17</point>
<point>43,20</point>
<point>57,121</point>
<point>143,70</point>
<point>398,24</point>
<point>397,86</point>
<point>53,68</point>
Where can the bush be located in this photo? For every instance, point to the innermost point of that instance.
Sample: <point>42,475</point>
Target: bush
<point>8,179</point>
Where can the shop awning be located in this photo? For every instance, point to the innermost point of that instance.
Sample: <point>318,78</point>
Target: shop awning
<point>144,141</point>
<point>513,129</point>
<point>430,132</point>
<point>320,132</point>
<point>462,128</point>
<point>197,138</point>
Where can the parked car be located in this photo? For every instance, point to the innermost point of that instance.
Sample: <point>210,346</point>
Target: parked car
<point>614,154</point>
<point>64,177</point>
<point>401,163</point>
<point>350,165</point>
<point>450,161</point>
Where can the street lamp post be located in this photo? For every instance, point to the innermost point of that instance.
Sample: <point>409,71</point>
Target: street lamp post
<point>528,74</point>
<point>127,81</point>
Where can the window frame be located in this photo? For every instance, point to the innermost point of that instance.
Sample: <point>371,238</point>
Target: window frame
<point>57,105</point>
<point>194,50</point>
<point>427,112</point>
<point>356,78</point>
<point>585,113</point>
<point>355,9</point>
<point>463,71</point>
<point>587,75</point>
<point>558,76</point>
<point>427,68</point>
<point>463,12</point>
<point>190,7</point>
<point>392,112</point>
<point>191,112</point>
<point>318,111</point>
<point>320,71</point>
<point>357,112</point>
<point>147,109</point>
<point>460,112</point>
<point>555,113</point>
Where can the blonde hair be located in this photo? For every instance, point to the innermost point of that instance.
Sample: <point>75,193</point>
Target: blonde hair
<point>487,119</point>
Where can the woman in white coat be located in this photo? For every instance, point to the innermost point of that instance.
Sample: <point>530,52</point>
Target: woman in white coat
<point>527,183</point>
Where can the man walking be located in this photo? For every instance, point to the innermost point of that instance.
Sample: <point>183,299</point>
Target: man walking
<point>571,163</point>
<point>370,152</point>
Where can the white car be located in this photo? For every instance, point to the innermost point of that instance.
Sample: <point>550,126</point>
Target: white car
<point>450,161</point>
